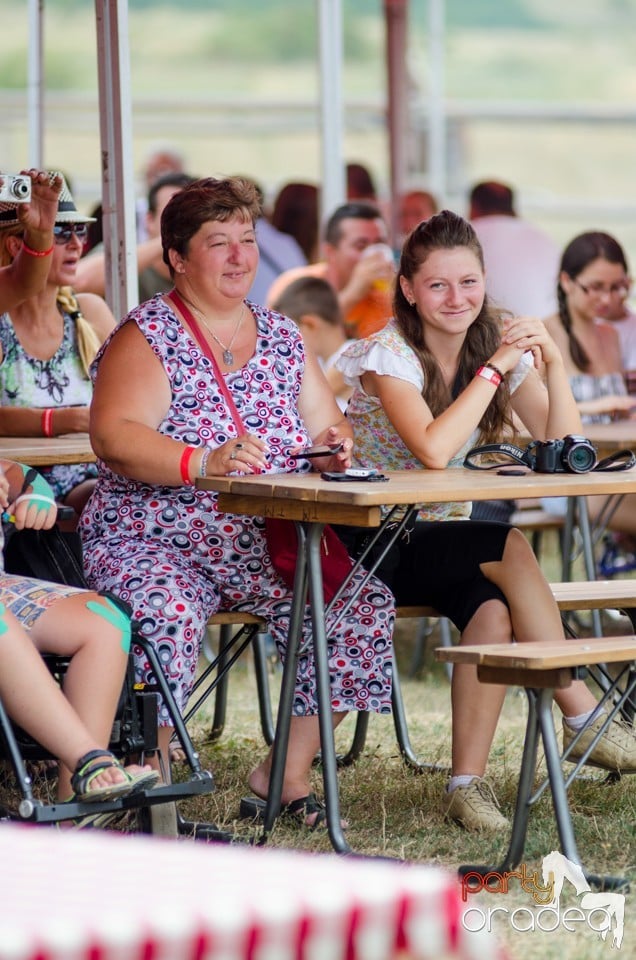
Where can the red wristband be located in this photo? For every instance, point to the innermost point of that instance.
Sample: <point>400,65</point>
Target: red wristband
<point>37,253</point>
<point>47,422</point>
<point>489,373</point>
<point>184,465</point>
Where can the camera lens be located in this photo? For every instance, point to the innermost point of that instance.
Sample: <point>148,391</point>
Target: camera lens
<point>581,458</point>
<point>20,189</point>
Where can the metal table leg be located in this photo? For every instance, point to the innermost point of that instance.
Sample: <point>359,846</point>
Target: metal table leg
<point>323,689</point>
<point>541,723</point>
<point>285,706</point>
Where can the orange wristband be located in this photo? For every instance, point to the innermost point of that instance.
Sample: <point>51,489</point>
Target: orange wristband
<point>37,253</point>
<point>184,465</point>
<point>47,422</point>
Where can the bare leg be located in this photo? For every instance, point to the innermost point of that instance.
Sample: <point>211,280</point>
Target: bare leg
<point>623,519</point>
<point>34,700</point>
<point>99,655</point>
<point>533,610</point>
<point>475,706</point>
<point>304,744</point>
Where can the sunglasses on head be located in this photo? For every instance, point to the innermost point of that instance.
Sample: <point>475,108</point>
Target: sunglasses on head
<point>64,232</point>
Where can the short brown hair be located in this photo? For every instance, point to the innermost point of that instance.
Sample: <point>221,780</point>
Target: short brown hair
<point>310,295</point>
<point>204,200</point>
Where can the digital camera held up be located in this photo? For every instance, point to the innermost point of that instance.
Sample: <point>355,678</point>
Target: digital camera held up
<point>572,454</point>
<point>15,189</point>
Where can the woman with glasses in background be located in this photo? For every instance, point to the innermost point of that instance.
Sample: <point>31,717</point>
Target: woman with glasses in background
<point>593,278</point>
<point>47,344</point>
<point>593,281</point>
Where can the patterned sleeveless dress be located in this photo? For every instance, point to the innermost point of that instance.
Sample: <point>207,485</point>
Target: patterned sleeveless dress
<point>587,386</point>
<point>59,381</point>
<point>177,560</point>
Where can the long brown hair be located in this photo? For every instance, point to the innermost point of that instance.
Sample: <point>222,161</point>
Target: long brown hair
<point>579,253</point>
<point>446,231</point>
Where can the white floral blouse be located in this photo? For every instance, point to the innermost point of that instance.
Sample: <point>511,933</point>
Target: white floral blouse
<point>376,444</point>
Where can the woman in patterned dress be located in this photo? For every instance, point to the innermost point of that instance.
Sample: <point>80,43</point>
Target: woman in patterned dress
<point>47,343</point>
<point>159,420</point>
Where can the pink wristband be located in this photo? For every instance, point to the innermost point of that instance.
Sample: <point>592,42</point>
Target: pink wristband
<point>47,422</point>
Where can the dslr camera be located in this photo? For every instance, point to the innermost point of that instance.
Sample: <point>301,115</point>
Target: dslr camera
<point>572,454</point>
<point>15,189</point>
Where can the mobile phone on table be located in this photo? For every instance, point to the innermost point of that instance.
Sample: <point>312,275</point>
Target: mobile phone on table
<point>352,475</point>
<point>323,450</point>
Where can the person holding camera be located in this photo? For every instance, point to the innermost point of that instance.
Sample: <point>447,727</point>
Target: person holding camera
<point>27,273</point>
<point>446,374</point>
<point>47,342</point>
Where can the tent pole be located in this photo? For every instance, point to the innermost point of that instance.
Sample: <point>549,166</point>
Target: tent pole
<point>331,56</point>
<point>118,197</point>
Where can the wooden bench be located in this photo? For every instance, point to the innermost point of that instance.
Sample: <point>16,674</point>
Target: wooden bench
<point>542,668</point>
<point>570,596</point>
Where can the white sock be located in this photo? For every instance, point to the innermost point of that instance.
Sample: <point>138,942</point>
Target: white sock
<point>577,723</point>
<point>463,780</point>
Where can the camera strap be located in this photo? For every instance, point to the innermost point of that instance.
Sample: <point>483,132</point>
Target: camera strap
<point>515,454</point>
<point>619,460</point>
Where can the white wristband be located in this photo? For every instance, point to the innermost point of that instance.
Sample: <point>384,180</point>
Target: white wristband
<point>204,461</point>
<point>34,496</point>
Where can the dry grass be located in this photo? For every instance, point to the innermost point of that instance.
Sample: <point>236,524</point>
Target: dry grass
<point>395,812</point>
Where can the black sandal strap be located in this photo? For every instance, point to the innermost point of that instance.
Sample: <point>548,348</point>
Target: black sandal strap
<point>90,765</point>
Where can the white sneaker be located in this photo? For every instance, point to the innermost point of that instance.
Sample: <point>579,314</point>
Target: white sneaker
<point>616,750</point>
<point>475,807</point>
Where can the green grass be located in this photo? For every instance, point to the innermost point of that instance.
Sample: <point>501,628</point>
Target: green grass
<point>395,812</point>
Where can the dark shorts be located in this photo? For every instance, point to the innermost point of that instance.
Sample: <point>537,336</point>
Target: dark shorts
<point>437,564</point>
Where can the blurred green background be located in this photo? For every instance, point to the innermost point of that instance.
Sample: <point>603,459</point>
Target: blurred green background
<point>538,94</point>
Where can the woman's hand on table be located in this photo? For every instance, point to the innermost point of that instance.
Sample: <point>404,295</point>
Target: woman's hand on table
<point>246,454</point>
<point>75,419</point>
<point>619,406</point>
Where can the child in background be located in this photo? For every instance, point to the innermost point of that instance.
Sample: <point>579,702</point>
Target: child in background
<point>312,304</point>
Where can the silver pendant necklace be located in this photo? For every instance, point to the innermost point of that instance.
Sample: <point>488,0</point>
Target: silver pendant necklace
<point>228,356</point>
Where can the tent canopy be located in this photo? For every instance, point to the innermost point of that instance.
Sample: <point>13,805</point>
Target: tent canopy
<point>116,121</point>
